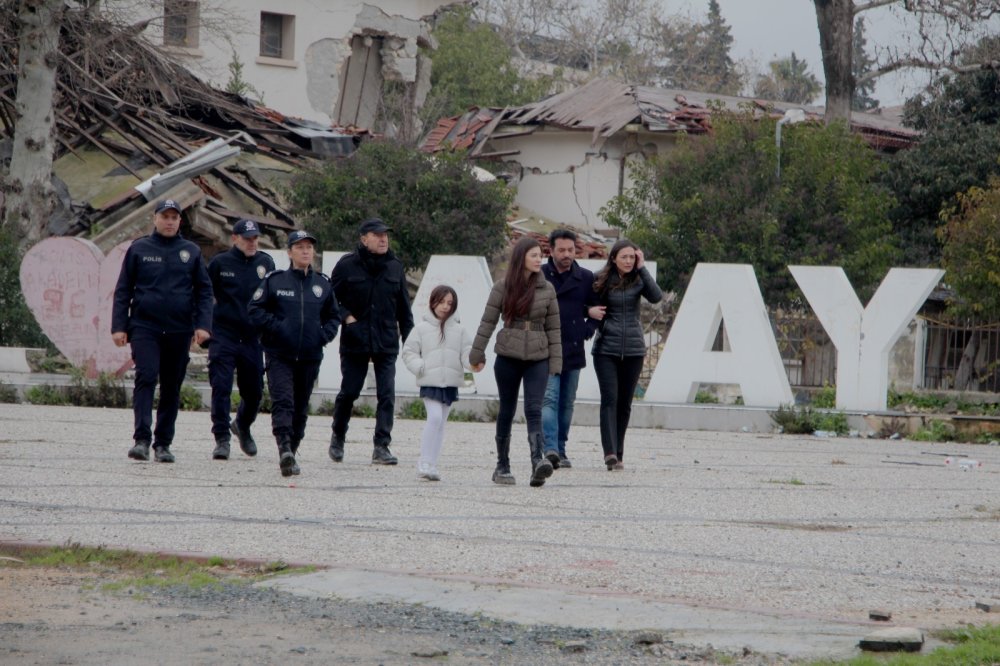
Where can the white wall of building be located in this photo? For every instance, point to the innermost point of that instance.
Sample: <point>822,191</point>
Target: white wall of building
<point>563,178</point>
<point>304,82</point>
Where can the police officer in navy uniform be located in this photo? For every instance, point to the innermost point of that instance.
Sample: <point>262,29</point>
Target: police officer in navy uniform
<point>235,345</point>
<point>163,295</point>
<point>371,288</point>
<point>297,314</point>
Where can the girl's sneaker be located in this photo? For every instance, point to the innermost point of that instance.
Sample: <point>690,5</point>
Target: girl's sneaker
<point>425,471</point>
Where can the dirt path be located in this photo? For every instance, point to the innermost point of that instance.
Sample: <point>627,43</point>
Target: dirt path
<point>52,616</point>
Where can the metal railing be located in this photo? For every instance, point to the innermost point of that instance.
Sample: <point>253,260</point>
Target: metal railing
<point>962,354</point>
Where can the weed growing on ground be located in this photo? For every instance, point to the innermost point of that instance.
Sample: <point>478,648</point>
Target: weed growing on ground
<point>363,410</point>
<point>826,397</point>
<point>104,391</point>
<point>190,398</point>
<point>45,394</point>
<point>8,394</point>
<point>973,646</point>
<point>414,409</point>
<point>804,420</point>
<point>705,397</point>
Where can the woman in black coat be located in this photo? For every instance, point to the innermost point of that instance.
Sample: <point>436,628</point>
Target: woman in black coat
<point>620,347</point>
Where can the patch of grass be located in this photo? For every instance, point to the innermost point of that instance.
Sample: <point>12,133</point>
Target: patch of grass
<point>973,646</point>
<point>826,397</point>
<point>705,397</point>
<point>8,394</point>
<point>465,416</point>
<point>414,409</point>
<point>935,431</point>
<point>143,571</point>
<point>104,391</point>
<point>788,482</point>
<point>364,410</point>
<point>804,420</point>
<point>325,408</point>
<point>190,398</point>
<point>46,394</point>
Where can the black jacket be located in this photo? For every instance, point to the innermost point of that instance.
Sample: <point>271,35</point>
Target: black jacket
<point>296,313</point>
<point>575,292</point>
<point>372,287</point>
<point>620,332</point>
<point>235,277</point>
<point>163,286</point>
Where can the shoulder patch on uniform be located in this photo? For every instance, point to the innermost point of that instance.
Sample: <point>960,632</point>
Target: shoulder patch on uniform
<point>261,271</point>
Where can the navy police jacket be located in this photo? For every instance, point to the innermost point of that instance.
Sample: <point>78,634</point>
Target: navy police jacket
<point>235,277</point>
<point>163,286</point>
<point>372,287</point>
<point>296,314</point>
<point>575,292</point>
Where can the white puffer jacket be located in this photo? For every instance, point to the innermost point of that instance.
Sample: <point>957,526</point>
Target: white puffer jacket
<point>433,361</point>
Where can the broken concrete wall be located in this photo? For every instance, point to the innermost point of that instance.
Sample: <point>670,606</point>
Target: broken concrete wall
<point>319,39</point>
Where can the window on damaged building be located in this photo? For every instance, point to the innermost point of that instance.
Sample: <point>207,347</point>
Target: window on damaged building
<point>180,23</point>
<point>277,36</point>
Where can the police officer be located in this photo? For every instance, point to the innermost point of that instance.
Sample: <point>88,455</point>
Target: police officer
<point>162,296</point>
<point>235,345</point>
<point>297,314</point>
<point>371,288</point>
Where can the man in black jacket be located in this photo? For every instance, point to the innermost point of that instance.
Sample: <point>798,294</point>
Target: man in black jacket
<point>235,346</point>
<point>297,314</point>
<point>371,287</point>
<point>578,314</point>
<point>163,295</point>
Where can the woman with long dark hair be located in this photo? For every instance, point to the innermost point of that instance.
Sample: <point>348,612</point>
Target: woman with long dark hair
<point>620,347</point>
<point>528,348</point>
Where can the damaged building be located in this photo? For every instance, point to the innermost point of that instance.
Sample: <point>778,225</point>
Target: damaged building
<point>569,154</point>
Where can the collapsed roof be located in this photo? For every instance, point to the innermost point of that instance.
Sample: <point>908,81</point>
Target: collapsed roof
<point>606,106</point>
<point>127,112</point>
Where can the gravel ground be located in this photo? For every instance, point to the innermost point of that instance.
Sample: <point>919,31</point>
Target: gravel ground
<point>58,617</point>
<point>783,526</point>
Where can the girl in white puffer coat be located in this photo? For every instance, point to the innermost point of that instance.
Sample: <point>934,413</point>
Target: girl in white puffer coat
<point>437,352</point>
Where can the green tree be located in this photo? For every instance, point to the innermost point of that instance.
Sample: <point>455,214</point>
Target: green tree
<point>698,55</point>
<point>960,116</point>
<point>473,66</point>
<point>789,81</point>
<point>18,327</point>
<point>862,64</point>
<point>971,248</point>
<point>715,198</point>
<point>434,203</point>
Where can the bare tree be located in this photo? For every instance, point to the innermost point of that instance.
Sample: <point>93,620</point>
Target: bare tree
<point>27,188</point>
<point>938,33</point>
<point>604,38</point>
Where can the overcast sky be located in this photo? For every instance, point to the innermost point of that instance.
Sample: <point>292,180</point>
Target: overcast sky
<point>768,29</point>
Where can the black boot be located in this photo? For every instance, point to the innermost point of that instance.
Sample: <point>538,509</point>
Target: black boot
<point>501,474</point>
<point>336,448</point>
<point>247,444</point>
<point>140,450</point>
<point>221,451</point>
<point>541,468</point>
<point>286,459</point>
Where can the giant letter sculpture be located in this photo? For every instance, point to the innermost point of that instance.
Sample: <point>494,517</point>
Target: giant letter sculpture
<point>864,336</point>
<point>721,293</point>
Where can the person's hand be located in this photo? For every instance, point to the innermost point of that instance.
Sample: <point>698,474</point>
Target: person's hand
<point>120,338</point>
<point>639,261</point>
<point>478,367</point>
<point>201,335</point>
<point>350,319</point>
<point>596,312</point>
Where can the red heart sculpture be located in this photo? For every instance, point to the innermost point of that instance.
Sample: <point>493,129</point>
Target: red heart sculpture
<point>69,285</point>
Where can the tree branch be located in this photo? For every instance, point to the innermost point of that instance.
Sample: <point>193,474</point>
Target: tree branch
<point>921,63</point>
<point>872,4</point>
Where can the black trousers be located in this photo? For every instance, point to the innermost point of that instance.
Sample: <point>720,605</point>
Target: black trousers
<point>291,385</point>
<point>163,358</point>
<point>354,369</point>
<point>246,359</point>
<point>617,378</point>
<point>510,374</point>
